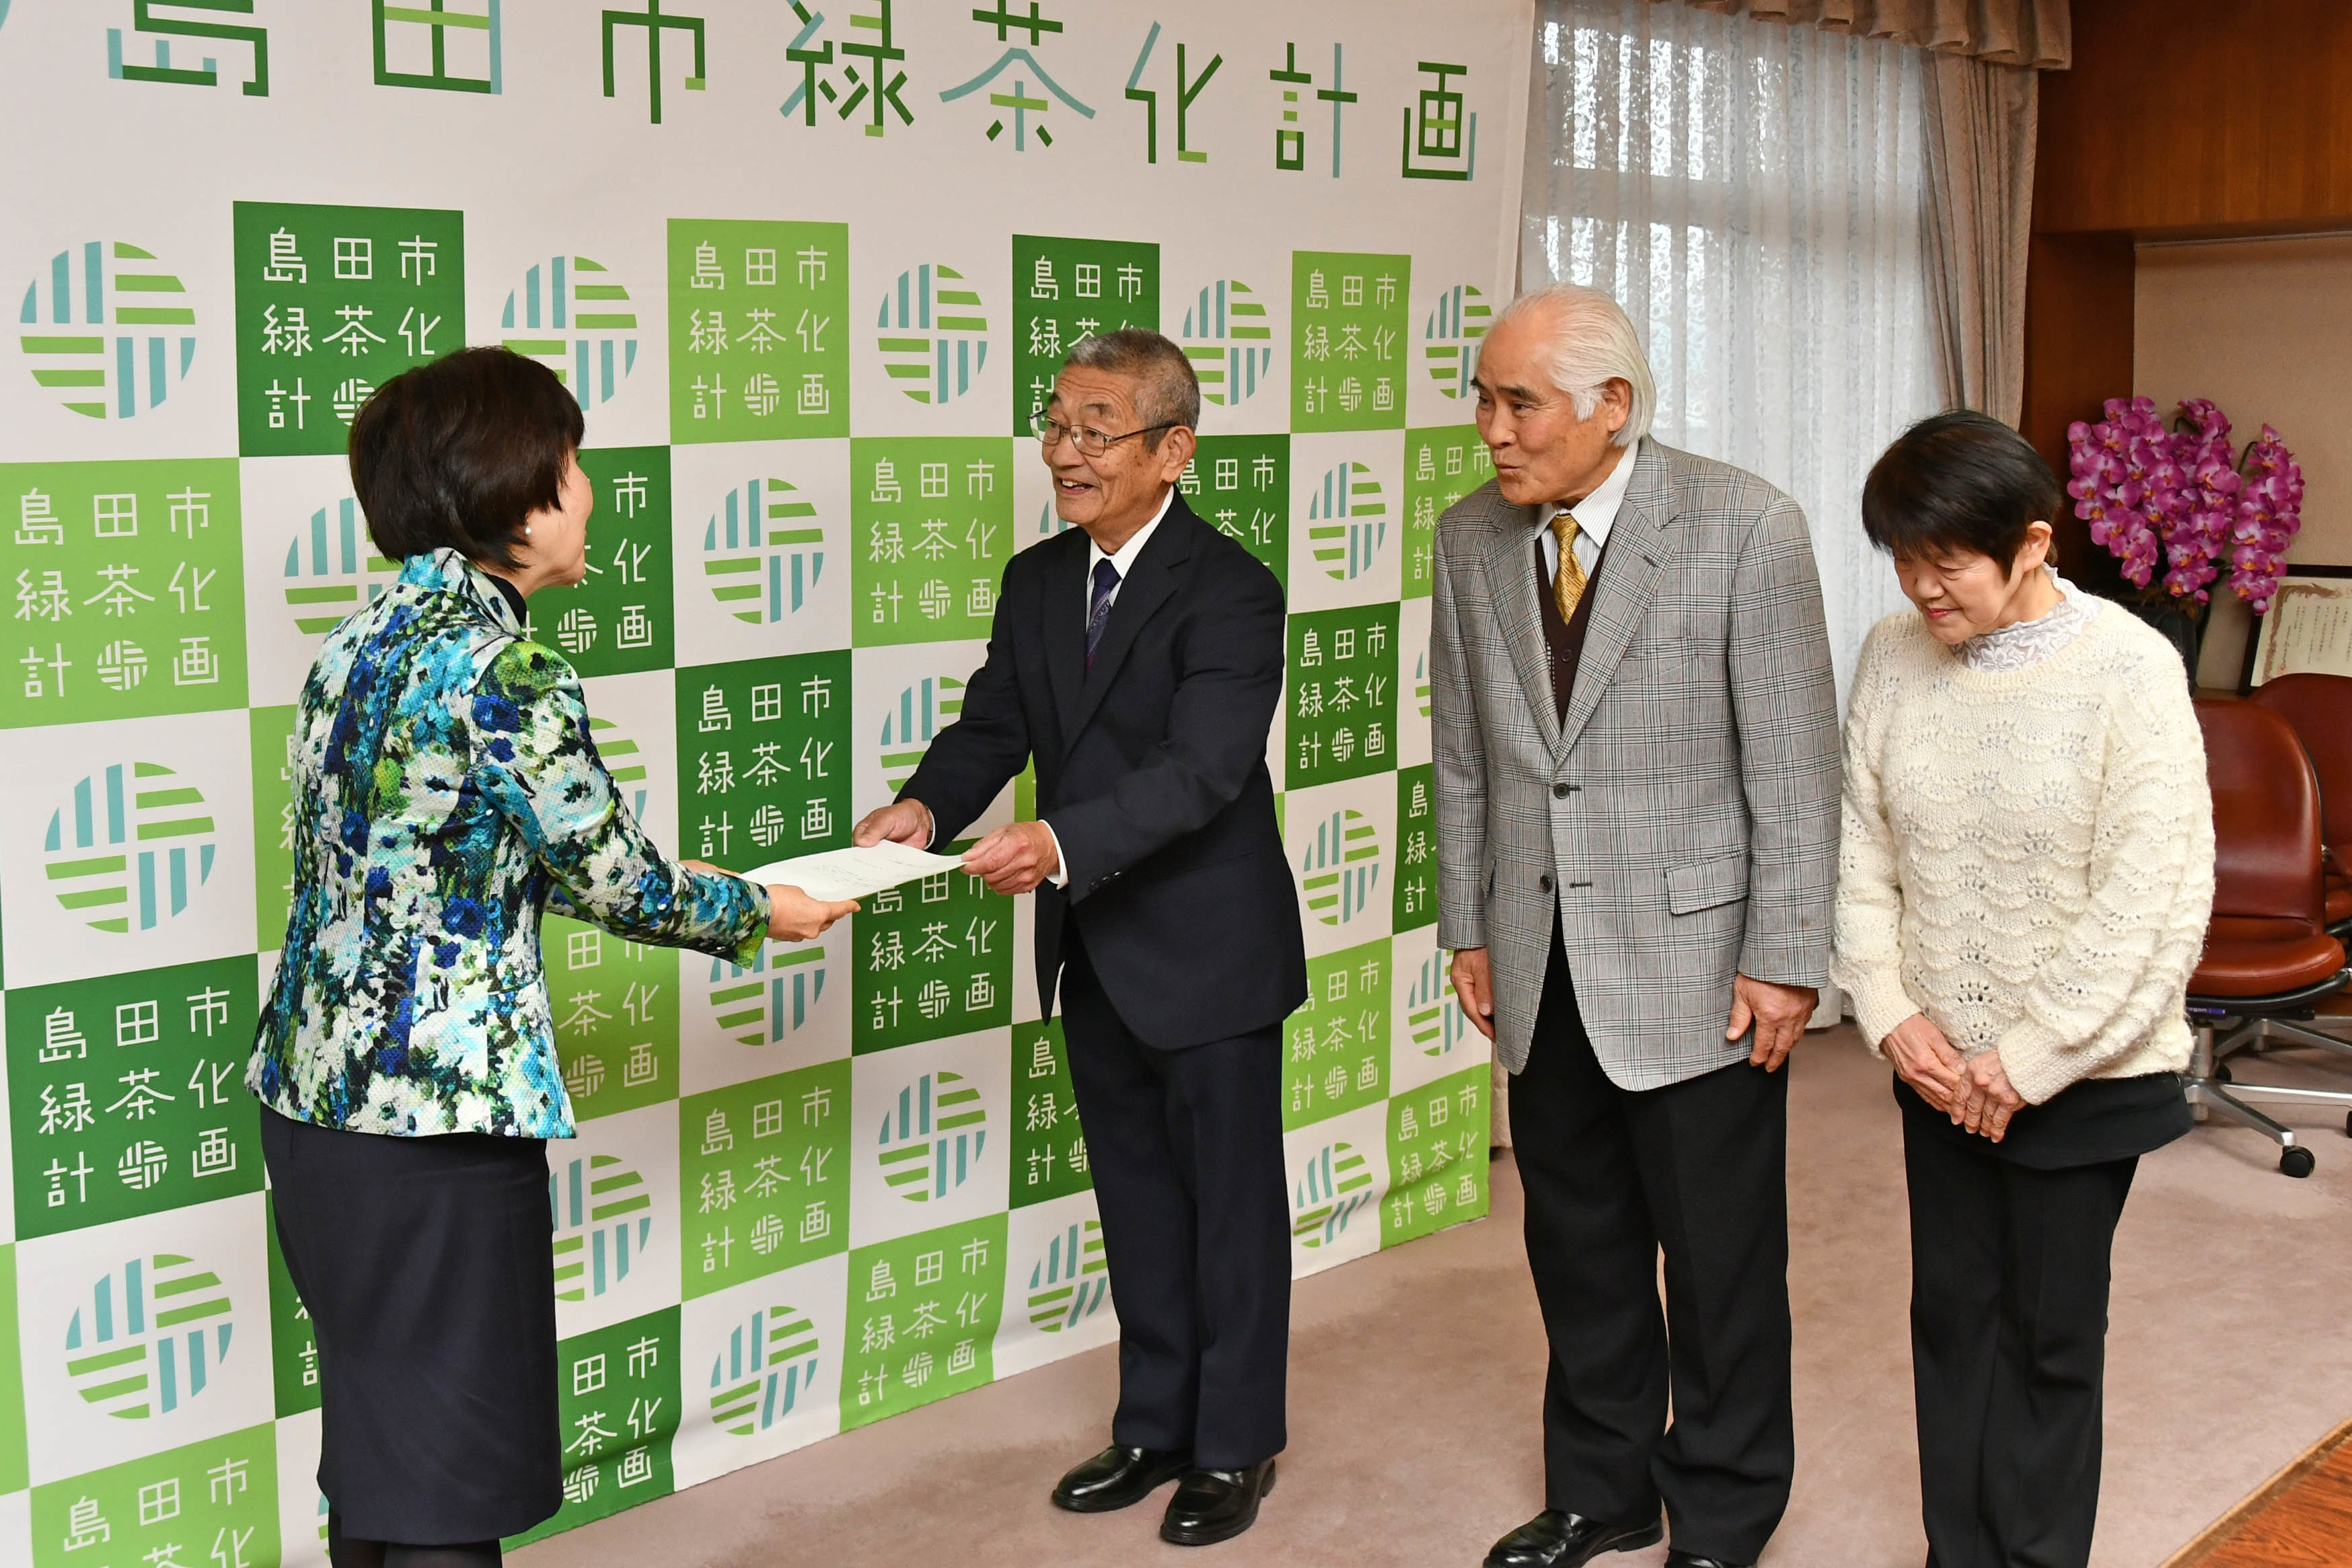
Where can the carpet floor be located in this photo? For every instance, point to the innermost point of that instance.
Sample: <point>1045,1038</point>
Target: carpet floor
<point>1415,1386</point>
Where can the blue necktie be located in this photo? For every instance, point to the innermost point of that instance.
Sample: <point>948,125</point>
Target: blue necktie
<point>1099,610</point>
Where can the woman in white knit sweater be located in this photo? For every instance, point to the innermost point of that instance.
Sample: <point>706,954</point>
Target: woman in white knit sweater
<point>2024,879</point>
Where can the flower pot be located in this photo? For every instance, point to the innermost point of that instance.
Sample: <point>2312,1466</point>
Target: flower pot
<point>2183,628</point>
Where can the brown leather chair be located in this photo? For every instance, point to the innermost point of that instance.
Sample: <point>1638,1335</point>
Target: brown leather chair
<point>2268,956</point>
<point>2319,708</point>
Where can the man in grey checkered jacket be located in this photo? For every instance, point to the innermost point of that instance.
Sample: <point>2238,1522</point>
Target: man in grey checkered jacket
<point>1637,783</point>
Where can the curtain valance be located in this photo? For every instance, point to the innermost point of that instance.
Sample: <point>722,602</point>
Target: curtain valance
<point>2036,33</point>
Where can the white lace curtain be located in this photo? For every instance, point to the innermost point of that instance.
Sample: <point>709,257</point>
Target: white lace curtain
<point>1751,192</point>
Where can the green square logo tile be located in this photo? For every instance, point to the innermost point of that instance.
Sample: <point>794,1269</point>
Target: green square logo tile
<point>1441,466</point>
<point>332,303</point>
<point>210,1502</point>
<point>1049,1148</point>
<point>1416,876</point>
<point>615,1004</point>
<point>130,584</point>
<point>1437,1156</point>
<point>1240,485</point>
<point>1341,696</point>
<point>13,1467</point>
<point>764,758</point>
<point>1066,291</point>
<point>1347,324</point>
<point>273,825</point>
<point>764,1175</point>
<point>923,1313</point>
<point>933,530</point>
<point>622,618</point>
<point>618,1389</point>
<point>758,330</point>
<point>934,959</point>
<point>293,1344</point>
<point>1336,1046</point>
<point>127,1093</point>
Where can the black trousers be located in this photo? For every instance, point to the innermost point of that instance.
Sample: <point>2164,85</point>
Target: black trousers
<point>2008,1338</point>
<point>1696,1170</point>
<point>1187,1153</point>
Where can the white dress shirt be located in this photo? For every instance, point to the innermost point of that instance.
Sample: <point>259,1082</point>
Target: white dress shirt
<point>1593,515</point>
<point>1123,558</point>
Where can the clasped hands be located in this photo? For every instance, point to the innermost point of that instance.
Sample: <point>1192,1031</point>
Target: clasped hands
<point>1014,859</point>
<point>1976,1093</point>
<point>1778,1013</point>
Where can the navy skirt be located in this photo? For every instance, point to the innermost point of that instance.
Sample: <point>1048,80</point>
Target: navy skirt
<point>427,1267</point>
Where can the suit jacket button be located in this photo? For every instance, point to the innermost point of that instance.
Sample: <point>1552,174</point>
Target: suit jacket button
<point>1560,791</point>
<point>1543,882</point>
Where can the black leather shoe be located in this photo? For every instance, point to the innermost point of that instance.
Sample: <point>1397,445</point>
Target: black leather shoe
<point>1118,1478</point>
<point>1215,1505</point>
<point>1684,1559</point>
<point>1556,1540</point>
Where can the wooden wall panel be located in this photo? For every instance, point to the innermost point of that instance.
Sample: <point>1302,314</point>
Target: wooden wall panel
<point>2078,353</point>
<point>2188,117</point>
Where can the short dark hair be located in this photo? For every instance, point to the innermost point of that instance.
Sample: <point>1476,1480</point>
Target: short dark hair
<point>1169,393</point>
<point>1958,482</point>
<point>456,453</point>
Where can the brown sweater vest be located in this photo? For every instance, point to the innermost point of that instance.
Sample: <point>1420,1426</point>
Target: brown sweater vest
<point>1565,638</point>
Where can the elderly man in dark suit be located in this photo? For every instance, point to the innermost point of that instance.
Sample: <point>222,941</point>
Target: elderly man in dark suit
<point>1637,757</point>
<point>1137,658</point>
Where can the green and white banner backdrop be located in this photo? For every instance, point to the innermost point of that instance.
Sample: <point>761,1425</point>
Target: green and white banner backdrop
<point>808,266</point>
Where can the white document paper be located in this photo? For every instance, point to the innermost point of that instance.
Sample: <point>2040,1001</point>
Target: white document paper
<point>836,874</point>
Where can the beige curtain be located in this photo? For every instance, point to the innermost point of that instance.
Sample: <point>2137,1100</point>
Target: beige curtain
<point>1980,123</point>
<point>1978,115</point>
<point>2032,33</point>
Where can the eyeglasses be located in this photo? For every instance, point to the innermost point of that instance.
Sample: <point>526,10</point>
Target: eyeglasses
<point>1093,442</point>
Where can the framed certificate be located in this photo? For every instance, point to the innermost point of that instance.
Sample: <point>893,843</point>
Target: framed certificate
<point>2309,626</point>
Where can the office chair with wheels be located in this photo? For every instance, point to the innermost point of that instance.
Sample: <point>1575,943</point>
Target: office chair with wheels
<point>2318,708</point>
<point>2268,956</point>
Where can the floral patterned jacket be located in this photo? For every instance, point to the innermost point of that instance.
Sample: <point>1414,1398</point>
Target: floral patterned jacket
<point>447,792</point>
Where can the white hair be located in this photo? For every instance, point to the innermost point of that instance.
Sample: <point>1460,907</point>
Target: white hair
<point>1592,341</point>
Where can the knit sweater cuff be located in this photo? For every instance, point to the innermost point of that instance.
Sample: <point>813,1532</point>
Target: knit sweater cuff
<point>2038,1061</point>
<point>1880,1003</point>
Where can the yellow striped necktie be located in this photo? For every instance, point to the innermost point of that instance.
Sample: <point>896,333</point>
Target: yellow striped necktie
<point>1568,583</point>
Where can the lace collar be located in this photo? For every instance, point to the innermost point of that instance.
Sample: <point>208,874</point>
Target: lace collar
<point>2029,643</point>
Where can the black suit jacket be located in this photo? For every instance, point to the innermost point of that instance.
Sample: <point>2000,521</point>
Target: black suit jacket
<point>1151,772</point>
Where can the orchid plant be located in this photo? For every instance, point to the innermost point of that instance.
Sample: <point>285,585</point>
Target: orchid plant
<point>2178,500</point>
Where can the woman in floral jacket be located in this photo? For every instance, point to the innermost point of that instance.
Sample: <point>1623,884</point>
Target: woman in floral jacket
<point>447,795</point>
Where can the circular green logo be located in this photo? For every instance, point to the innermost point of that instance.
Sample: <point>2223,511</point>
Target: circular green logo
<point>603,1218</point>
<point>763,552</point>
<point>1450,338</point>
<point>930,1142</point>
<point>769,1361</point>
<point>1341,867</point>
<point>1229,340</point>
<point>922,710</point>
<point>1070,1281</point>
<point>932,333</point>
<point>577,319</point>
<point>332,569</point>
<point>107,330</point>
<point>1336,1184</point>
<point>1347,521</point>
<point>130,848</point>
<point>149,1337</point>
